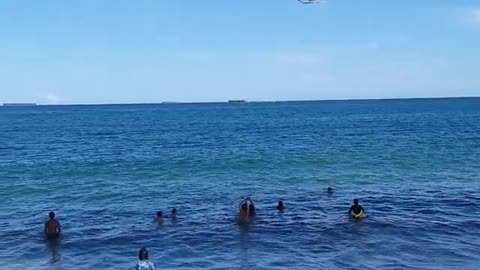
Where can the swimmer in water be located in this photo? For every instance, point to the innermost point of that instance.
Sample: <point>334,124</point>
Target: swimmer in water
<point>144,263</point>
<point>252,211</point>
<point>174,214</point>
<point>243,212</point>
<point>330,190</point>
<point>281,207</point>
<point>356,210</point>
<point>247,210</point>
<point>159,218</point>
<point>52,227</point>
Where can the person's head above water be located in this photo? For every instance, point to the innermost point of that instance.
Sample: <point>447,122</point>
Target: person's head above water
<point>159,214</point>
<point>51,215</point>
<point>280,206</point>
<point>244,206</point>
<point>174,211</point>
<point>330,189</point>
<point>143,254</point>
<point>355,201</point>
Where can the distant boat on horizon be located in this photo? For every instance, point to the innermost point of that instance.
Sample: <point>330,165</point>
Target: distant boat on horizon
<point>237,101</point>
<point>19,104</point>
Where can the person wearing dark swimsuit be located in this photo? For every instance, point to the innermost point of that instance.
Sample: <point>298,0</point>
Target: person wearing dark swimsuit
<point>356,210</point>
<point>52,227</point>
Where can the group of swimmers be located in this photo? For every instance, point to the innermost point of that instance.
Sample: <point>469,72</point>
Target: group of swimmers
<point>159,218</point>
<point>247,212</point>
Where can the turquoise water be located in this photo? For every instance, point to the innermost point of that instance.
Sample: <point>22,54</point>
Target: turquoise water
<point>106,170</point>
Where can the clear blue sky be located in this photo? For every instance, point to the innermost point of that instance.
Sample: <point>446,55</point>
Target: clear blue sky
<point>123,51</point>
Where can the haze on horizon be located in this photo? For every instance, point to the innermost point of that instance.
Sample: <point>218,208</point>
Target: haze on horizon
<point>69,52</point>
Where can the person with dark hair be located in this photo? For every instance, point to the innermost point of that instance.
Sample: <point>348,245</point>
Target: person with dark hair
<point>144,263</point>
<point>159,218</point>
<point>280,207</point>
<point>52,227</point>
<point>252,211</point>
<point>247,210</point>
<point>243,212</point>
<point>174,214</point>
<point>330,190</point>
<point>356,210</point>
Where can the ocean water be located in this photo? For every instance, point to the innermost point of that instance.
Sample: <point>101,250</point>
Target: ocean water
<point>106,170</point>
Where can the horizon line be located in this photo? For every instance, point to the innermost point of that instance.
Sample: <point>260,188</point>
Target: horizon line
<point>236,101</point>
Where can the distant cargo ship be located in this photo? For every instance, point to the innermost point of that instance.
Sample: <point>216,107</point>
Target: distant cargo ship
<point>236,101</point>
<point>19,104</point>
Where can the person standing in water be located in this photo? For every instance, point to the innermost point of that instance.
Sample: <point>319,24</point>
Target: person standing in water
<point>144,263</point>
<point>52,227</point>
<point>356,210</point>
<point>243,212</point>
<point>247,210</point>
<point>252,211</point>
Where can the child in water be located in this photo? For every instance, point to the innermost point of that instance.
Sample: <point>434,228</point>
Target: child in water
<point>247,210</point>
<point>144,263</point>
<point>252,212</point>
<point>174,214</point>
<point>243,212</point>
<point>281,207</point>
<point>159,218</point>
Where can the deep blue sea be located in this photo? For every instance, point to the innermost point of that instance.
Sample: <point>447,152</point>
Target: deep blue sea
<point>107,170</point>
